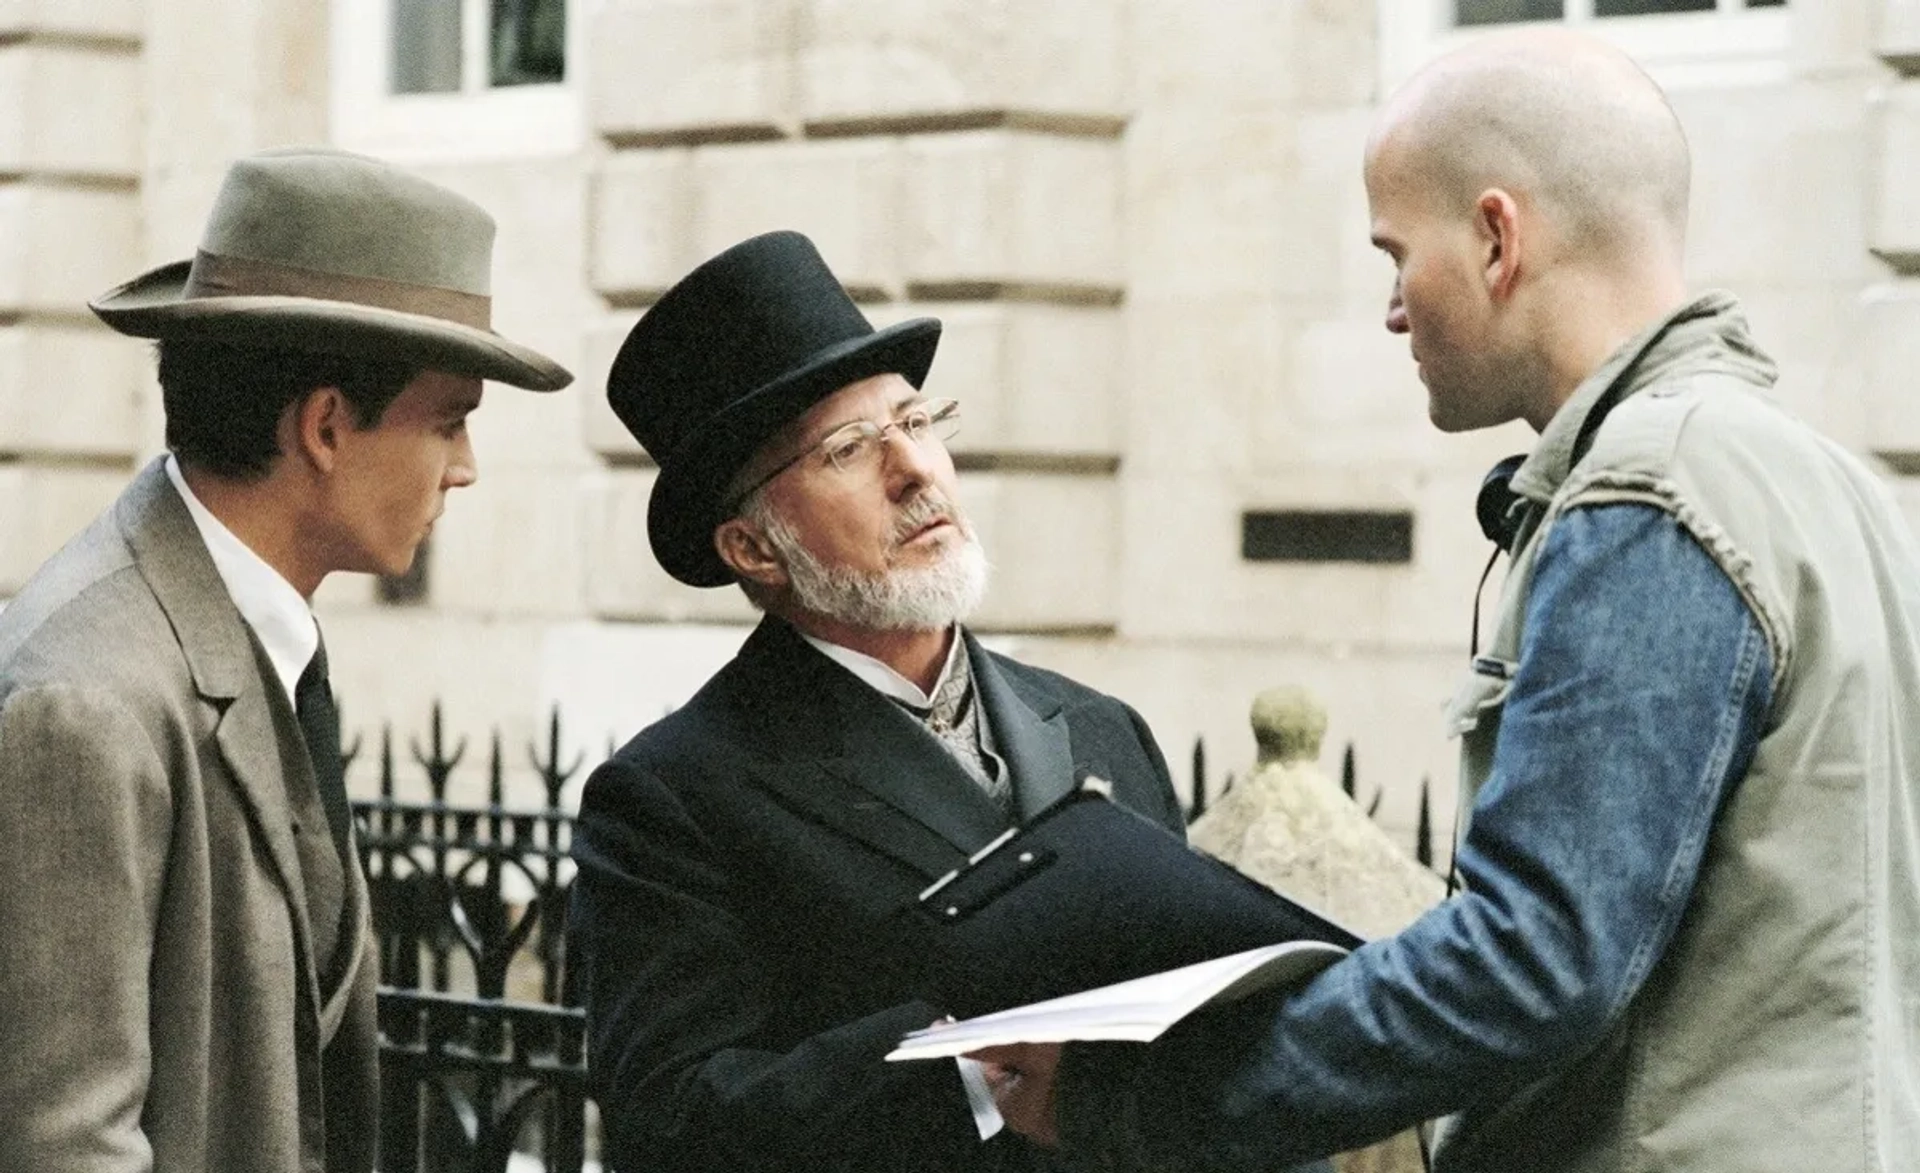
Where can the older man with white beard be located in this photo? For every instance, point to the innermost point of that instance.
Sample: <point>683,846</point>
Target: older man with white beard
<point>739,861</point>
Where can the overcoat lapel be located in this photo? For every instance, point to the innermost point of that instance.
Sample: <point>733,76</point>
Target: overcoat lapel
<point>855,761</point>
<point>221,655</point>
<point>1030,732</point>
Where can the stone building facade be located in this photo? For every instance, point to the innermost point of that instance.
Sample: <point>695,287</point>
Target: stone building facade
<point>1200,465</point>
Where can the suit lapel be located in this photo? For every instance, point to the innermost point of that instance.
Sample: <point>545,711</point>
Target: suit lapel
<point>227,668</point>
<point>856,761</point>
<point>1029,731</point>
<point>902,765</point>
<point>824,792</point>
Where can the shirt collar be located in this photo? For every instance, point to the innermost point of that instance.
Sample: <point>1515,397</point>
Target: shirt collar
<point>882,677</point>
<point>268,602</point>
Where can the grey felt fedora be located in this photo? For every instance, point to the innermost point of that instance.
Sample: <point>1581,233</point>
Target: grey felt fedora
<point>322,250</point>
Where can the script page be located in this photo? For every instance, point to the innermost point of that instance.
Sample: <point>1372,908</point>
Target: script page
<point>1140,1010</point>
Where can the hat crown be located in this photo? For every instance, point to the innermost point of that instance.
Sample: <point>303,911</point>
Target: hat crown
<point>751,316</point>
<point>334,212</point>
<point>323,251</point>
<point>736,351</point>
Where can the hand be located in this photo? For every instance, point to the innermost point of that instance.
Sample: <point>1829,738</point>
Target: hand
<point>1021,1076</point>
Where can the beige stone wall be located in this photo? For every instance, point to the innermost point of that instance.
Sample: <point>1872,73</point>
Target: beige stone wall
<point>70,163</point>
<point>949,157</point>
<point>1142,223</point>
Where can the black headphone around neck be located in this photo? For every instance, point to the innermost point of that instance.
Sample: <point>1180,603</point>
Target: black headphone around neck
<point>1497,504</point>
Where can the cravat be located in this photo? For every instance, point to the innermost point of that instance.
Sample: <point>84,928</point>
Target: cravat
<point>320,726</point>
<point>955,720</point>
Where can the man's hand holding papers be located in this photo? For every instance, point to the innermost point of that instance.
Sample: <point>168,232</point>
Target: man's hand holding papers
<point>1021,1076</point>
<point>1020,1047</point>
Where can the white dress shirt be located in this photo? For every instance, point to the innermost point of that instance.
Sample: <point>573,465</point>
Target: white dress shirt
<point>276,612</point>
<point>881,676</point>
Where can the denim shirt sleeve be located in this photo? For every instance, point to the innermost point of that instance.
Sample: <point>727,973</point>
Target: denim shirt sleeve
<point>1642,690</point>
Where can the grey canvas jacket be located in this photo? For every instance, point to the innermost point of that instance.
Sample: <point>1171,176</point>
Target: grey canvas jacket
<point>1772,1028</point>
<point>1780,1031</point>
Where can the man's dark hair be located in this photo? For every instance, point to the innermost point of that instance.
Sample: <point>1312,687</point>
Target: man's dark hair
<point>223,403</point>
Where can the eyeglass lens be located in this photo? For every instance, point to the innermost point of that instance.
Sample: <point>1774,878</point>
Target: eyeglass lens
<point>859,442</point>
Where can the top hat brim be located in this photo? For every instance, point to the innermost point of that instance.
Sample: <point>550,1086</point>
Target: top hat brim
<point>154,305</point>
<point>686,503</point>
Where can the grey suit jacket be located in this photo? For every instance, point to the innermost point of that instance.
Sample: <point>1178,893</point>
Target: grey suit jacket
<point>160,1006</point>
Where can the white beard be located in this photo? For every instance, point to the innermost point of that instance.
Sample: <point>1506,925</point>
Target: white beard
<point>920,598</point>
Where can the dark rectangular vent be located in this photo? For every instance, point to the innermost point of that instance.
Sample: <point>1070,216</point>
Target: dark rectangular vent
<point>1326,535</point>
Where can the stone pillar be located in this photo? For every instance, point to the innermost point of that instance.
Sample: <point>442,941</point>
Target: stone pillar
<point>954,158</point>
<point>117,119</point>
<point>70,163</point>
<point>1290,827</point>
<point>1890,359</point>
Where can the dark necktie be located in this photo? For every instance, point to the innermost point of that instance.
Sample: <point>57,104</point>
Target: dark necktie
<point>320,726</point>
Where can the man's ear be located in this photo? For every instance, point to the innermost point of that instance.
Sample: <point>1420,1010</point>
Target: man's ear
<point>317,422</point>
<point>746,551</point>
<point>1497,217</point>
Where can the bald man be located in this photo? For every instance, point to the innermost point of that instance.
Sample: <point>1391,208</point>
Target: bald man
<point>1689,932</point>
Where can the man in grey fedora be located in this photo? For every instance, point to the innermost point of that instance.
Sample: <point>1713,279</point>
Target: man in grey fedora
<point>187,978</point>
<point>739,860</point>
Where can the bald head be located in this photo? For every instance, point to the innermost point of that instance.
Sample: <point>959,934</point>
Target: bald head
<point>1559,120</point>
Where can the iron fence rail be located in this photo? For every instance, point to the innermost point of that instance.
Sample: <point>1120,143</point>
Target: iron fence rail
<point>482,1045</point>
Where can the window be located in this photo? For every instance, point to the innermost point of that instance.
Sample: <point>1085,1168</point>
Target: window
<point>430,79</point>
<point>512,42</point>
<point>1472,12</point>
<point>1505,11</point>
<point>1681,42</point>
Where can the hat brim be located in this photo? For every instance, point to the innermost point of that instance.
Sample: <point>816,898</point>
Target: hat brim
<point>685,505</point>
<point>153,306</point>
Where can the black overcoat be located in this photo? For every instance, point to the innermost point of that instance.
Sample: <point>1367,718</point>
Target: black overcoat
<point>738,863</point>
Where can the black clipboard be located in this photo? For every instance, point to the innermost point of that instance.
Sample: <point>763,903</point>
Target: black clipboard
<point>1086,894</point>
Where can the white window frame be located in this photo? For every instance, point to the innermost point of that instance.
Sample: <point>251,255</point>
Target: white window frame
<point>478,122</point>
<point>1732,45</point>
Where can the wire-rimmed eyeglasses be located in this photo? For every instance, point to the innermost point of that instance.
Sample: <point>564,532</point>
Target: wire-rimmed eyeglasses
<point>857,446</point>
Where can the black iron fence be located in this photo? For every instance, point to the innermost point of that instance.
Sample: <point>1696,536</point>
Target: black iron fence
<point>482,1048</point>
<point>482,1044</point>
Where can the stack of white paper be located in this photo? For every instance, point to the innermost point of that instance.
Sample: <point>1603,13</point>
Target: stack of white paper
<point>1138,1011</point>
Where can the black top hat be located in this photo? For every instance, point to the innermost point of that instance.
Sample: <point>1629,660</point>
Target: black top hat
<point>740,348</point>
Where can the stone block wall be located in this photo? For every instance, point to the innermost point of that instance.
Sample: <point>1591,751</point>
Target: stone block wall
<point>70,167</point>
<point>1889,361</point>
<point>1142,223</point>
<point>1259,378</point>
<point>949,157</point>
<point>1144,227</point>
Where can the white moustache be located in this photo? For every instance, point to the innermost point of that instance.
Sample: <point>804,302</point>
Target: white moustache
<point>922,510</point>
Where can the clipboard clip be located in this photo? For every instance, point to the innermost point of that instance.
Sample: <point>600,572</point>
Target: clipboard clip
<point>986,877</point>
